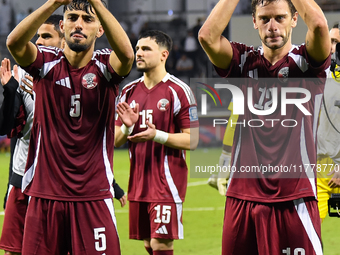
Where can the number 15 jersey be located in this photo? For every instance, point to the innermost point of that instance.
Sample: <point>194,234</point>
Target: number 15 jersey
<point>157,172</point>
<point>71,148</point>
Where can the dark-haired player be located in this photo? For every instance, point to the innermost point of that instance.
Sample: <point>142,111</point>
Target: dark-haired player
<point>69,167</point>
<point>158,116</point>
<point>19,103</point>
<point>272,212</point>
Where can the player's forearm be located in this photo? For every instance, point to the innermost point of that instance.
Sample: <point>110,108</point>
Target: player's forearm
<point>317,40</point>
<point>183,141</point>
<point>18,41</point>
<point>120,138</point>
<point>217,21</point>
<point>115,34</point>
<point>311,13</point>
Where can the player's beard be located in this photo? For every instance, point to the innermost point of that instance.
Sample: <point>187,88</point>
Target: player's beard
<point>143,69</point>
<point>77,47</point>
<point>275,46</point>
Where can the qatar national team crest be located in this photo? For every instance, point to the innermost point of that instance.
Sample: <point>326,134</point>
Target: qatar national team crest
<point>283,74</point>
<point>89,81</point>
<point>163,104</point>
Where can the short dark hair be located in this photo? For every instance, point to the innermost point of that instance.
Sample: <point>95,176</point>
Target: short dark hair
<point>82,5</point>
<point>255,3</point>
<point>336,25</point>
<point>54,20</point>
<point>161,38</point>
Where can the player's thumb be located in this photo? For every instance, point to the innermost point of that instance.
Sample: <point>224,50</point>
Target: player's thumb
<point>150,125</point>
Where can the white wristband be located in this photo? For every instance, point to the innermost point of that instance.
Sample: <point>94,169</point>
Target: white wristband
<point>125,130</point>
<point>161,137</point>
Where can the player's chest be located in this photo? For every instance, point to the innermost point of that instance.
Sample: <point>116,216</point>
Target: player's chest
<point>153,107</point>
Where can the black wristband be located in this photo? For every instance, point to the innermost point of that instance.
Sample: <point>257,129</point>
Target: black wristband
<point>119,192</point>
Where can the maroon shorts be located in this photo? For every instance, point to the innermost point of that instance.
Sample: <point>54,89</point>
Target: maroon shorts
<point>80,228</point>
<point>13,226</point>
<point>155,220</point>
<point>291,227</point>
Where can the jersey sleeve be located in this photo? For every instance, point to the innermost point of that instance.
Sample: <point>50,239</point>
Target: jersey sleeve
<point>103,62</point>
<point>234,70</point>
<point>44,55</point>
<point>185,108</point>
<point>316,69</point>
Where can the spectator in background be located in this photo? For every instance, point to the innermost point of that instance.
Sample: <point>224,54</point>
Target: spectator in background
<point>138,23</point>
<point>191,48</point>
<point>200,57</point>
<point>196,29</point>
<point>5,17</point>
<point>190,44</point>
<point>185,66</point>
<point>174,56</point>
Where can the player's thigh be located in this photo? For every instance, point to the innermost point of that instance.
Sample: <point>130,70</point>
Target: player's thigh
<point>139,223</point>
<point>291,227</point>
<point>239,235</point>
<point>166,220</point>
<point>14,220</point>
<point>93,228</point>
<point>46,228</point>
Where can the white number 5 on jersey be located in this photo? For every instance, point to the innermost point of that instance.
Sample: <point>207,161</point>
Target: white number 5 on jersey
<point>75,106</point>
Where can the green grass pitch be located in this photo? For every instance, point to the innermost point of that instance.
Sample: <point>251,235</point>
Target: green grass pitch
<point>202,217</point>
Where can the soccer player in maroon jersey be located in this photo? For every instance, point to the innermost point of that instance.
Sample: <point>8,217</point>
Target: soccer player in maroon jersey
<point>269,212</point>
<point>12,233</point>
<point>69,166</point>
<point>158,117</point>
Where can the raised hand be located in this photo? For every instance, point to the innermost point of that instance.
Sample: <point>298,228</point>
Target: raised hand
<point>25,81</point>
<point>5,71</point>
<point>335,181</point>
<point>128,115</point>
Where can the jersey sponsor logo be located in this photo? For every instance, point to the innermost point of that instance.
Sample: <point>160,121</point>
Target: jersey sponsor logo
<point>162,230</point>
<point>193,113</point>
<point>89,81</point>
<point>283,75</point>
<point>64,82</point>
<point>163,105</point>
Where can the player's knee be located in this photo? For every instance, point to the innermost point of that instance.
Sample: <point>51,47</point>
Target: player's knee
<point>161,244</point>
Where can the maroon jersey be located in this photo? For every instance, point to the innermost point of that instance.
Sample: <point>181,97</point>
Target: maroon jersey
<point>273,162</point>
<point>157,172</point>
<point>71,148</point>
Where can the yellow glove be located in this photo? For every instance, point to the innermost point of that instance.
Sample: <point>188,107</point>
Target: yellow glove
<point>223,176</point>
